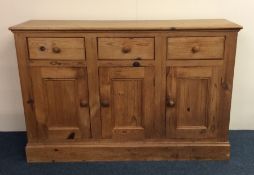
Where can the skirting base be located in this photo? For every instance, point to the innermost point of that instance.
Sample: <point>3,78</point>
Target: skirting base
<point>72,152</point>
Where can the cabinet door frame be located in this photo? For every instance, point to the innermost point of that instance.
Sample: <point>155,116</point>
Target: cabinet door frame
<point>45,77</point>
<point>144,75</point>
<point>209,75</point>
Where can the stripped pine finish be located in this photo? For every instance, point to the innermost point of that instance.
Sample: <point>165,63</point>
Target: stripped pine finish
<point>126,90</point>
<point>56,48</point>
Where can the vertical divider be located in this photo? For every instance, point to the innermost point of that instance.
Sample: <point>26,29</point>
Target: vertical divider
<point>160,84</point>
<point>93,85</point>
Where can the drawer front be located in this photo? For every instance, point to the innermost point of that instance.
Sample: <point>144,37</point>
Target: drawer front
<point>195,48</point>
<point>125,48</point>
<point>57,48</point>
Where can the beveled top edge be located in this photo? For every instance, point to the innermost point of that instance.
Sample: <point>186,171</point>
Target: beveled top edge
<point>79,25</point>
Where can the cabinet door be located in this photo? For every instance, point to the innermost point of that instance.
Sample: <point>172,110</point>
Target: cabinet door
<point>192,101</point>
<point>61,103</point>
<point>127,102</point>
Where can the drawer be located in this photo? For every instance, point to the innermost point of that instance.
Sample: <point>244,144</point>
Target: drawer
<point>195,48</point>
<point>125,48</point>
<point>57,48</point>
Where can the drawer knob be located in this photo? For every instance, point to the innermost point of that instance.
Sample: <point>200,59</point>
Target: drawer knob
<point>42,48</point>
<point>83,103</point>
<point>136,64</point>
<point>126,49</point>
<point>170,102</point>
<point>195,49</point>
<point>56,50</point>
<point>105,103</point>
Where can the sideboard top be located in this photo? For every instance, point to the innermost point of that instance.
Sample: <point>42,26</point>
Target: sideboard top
<point>79,25</point>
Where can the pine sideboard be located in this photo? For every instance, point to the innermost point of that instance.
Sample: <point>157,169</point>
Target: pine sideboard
<point>126,90</point>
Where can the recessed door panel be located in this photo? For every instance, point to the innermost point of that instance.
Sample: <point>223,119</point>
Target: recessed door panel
<point>193,97</point>
<point>127,102</point>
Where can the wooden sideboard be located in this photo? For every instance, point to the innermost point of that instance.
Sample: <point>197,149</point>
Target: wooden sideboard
<point>126,90</point>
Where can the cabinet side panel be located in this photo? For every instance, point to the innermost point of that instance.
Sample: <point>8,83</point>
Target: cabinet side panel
<point>26,86</point>
<point>227,85</point>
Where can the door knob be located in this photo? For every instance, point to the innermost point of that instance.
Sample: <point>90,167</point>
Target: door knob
<point>170,102</point>
<point>104,103</point>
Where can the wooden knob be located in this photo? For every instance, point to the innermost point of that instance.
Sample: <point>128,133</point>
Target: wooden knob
<point>136,64</point>
<point>42,48</point>
<point>195,49</point>
<point>83,103</point>
<point>105,103</point>
<point>170,102</point>
<point>56,50</point>
<point>126,49</point>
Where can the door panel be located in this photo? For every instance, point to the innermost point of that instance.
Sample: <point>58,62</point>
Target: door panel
<point>61,103</point>
<point>129,95</point>
<point>192,101</point>
<point>127,102</point>
<point>195,104</point>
